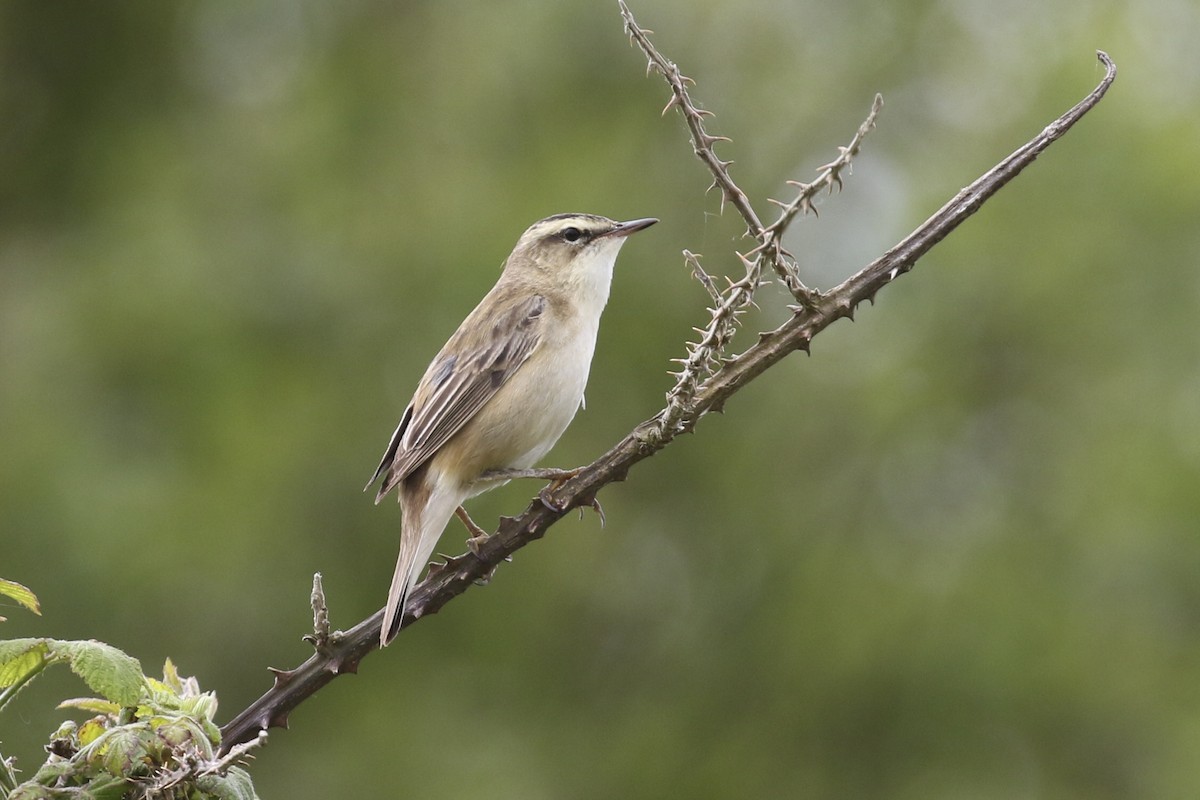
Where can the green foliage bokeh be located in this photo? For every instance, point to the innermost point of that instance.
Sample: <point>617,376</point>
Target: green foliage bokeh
<point>953,554</point>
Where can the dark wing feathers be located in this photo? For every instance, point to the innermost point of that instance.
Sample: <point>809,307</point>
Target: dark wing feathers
<point>456,386</point>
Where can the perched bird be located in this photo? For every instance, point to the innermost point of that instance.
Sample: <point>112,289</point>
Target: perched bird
<point>502,389</point>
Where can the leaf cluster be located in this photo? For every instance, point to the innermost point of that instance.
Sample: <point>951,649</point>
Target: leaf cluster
<point>145,738</point>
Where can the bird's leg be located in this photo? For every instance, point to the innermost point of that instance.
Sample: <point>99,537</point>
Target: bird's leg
<point>557,478</point>
<point>478,534</point>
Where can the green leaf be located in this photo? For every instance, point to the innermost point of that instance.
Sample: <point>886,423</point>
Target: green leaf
<point>21,660</point>
<point>90,731</point>
<point>101,787</point>
<point>32,791</point>
<point>21,594</point>
<point>92,705</point>
<point>233,785</point>
<point>105,669</point>
<point>125,751</point>
<point>21,657</point>
<point>171,677</point>
<point>106,787</point>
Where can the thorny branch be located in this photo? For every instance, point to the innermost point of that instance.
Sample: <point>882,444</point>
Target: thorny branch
<point>706,355</point>
<point>768,237</point>
<point>722,377</point>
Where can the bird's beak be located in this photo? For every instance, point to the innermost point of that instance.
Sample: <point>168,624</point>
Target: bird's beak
<point>633,226</point>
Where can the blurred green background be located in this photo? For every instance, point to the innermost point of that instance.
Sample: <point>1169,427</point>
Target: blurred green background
<point>953,554</point>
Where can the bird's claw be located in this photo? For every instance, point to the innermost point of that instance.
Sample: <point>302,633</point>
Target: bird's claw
<point>485,578</point>
<point>599,509</point>
<point>549,502</point>
<point>561,508</point>
<point>474,543</point>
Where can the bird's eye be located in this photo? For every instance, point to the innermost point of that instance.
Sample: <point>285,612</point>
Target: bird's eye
<point>572,234</point>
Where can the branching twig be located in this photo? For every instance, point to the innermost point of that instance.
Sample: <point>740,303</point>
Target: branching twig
<point>706,354</point>
<point>709,352</point>
<point>319,638</point>
<point>445,582</point>
<point>830,177</point>
<point>769,237</point>
<point>702,140</point>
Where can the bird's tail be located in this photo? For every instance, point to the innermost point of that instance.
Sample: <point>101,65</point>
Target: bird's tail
<point>426,504</point>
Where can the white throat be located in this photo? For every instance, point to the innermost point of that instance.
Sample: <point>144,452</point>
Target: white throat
<point>592,275</point>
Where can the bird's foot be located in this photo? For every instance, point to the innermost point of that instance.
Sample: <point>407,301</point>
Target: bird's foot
<point>478,534</point>
<point>561,508</point>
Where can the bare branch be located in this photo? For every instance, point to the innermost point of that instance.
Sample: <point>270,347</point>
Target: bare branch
<point>830,176</point>
<point>446,581</point>
<point>770,237</point>
<point>702,140</point>
<point>319,638</point>
<point>706,280</point>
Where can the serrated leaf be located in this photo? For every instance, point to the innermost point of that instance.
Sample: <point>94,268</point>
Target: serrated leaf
<point>21,594</point>
<point>90,731</point>
<point>20,657</point>
<point>52,771</point>
<point>171,677</point>
<point>106,787</point>
<point>126,751</point>
<point>159,695</point>
<point>106,670</point>
<point>233,785</point>
<point>31,791</point>
<point>92,705</point>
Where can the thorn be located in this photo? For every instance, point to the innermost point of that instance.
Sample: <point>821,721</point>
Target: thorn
<point>779,203</point>
<point>282,676</point>
<point>674,101</point>
<point>702,112</point>
<point>599,509</point>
